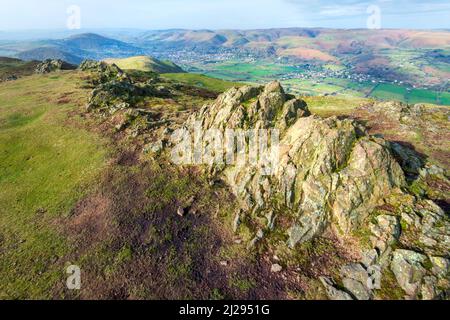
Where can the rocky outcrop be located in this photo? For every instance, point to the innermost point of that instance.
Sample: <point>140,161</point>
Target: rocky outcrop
<point>105,71</point>
<point>116,95</point>
<point>398,111</point>
<point>50,65</point>
<point>327,170</point>
<point>329,173</point>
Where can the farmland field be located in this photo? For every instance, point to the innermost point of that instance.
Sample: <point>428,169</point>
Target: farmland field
<point>294,80</point>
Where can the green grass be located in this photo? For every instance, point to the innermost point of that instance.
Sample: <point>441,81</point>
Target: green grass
<point>389,92</point>
<point>145,63</point>
<point>328,106</point>
<point>257,71</point>
<point>445,98</point>
<point>422,96</point>
<point>10,66</point>
<point>44,167</point>
<point>202,81</point>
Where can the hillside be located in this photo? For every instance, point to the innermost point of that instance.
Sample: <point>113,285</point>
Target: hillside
<point>406,65</point>
<point>331,41</point>
<point>77,48</point>
<point>360,185</point>
<point>41,54</point>
<point>145,63</point>
<point>11,69</point>
<point>201,81</point>
<point>418,58</point>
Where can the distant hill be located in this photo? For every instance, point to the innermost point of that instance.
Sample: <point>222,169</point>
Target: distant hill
<point>316,38</point>
<point>94,46</point>
<point>145,63</point>
<point>79,47</point>
<point>410,56</point>
<point>44,53</point>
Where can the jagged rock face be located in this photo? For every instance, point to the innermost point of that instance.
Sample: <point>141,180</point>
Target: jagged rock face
<point>101,67</point>
<point>251,108</point>
<point>330,172</point>
<point>114,89</point>
<point>50,65</point>
<point>399,111</point>
<point>328,169</point>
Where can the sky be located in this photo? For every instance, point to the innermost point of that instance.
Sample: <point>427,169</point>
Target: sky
<point>223,14</point>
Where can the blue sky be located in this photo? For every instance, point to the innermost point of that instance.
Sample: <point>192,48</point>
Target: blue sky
<point>223,14</point>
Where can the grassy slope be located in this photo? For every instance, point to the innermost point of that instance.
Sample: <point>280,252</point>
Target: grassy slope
<point>329,106</point>
<point>44,167</point>
<point>60,205</point>
<point>202,81</point>
<point>145,63</point>
<point>10,66</point>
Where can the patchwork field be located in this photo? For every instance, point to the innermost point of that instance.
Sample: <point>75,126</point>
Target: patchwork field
<point>294,81</point>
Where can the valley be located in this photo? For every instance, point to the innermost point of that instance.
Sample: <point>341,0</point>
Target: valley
<point>409,66</point>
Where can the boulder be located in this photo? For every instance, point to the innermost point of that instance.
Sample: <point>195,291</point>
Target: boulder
<point>52,65</point>
<point>408,269</point>
<point>334,293</point>
<point>355,279</point>
<point>325,172</point>
<point>276,268</point>
<point>385,232</point>
<point>325,169</point>
<point>429,226</point>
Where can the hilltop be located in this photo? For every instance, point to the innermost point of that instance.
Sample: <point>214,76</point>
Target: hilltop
<point>41,54</point>
<point>361,185</point>
<point>76,48</point>
<point>146,63</point>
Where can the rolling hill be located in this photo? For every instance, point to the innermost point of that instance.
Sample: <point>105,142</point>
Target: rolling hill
<point>40,54</point>
<point>413,59</point>
<point>145,63</point>
<point>77,48</point>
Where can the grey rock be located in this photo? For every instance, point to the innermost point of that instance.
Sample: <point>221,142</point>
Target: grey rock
<point>386,231</point>
<point>154,148</point>
<point>181,211</point>
<point>357,289</point>
<point>369,258</point>
<point>441,266</point>
<point>408,269</point>
<point>355,280</point>
<point>410,161</point>
<point>429,290</point>
<point>52,65</point>
<point>334,293</point>
<point>328,169</point>
<point>276,268</point>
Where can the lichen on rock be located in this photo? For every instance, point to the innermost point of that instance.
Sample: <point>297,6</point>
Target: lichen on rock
<point>332,173</point>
